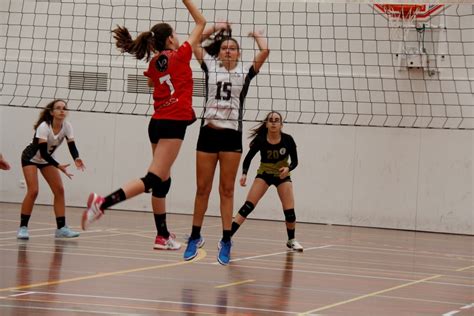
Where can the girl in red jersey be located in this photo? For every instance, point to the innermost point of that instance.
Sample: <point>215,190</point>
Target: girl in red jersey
<point>170,74</point>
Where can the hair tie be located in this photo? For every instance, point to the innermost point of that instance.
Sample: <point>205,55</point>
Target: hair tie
<point>152,33</point>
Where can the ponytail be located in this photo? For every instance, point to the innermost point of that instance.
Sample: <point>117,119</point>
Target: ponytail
<point>145,43</point>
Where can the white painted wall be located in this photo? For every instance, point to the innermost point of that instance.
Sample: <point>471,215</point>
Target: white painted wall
<point>418,179</point>
<point>363,176</point>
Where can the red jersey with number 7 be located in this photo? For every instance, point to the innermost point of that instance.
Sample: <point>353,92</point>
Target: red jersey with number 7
<point>172,79</point>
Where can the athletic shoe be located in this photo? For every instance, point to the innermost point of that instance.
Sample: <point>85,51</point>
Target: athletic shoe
<point>192,248</point>
<point>169,243</point>
<point>23,233</point>
<point>294,245</point>
<point>93,212</point>
<point>223,256</point>
<point>65,232</point>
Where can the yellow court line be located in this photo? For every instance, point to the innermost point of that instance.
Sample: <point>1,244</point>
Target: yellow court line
<point>371,294</point>
<point>201,254</point>
<point>235,283</point>
<point>465,268</point>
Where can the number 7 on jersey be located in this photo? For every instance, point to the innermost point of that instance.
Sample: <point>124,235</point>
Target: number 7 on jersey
<point>167,79</point>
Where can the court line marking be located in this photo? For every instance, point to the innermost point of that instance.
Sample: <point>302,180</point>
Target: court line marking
<point>402,252</point>
<point>371,294</point>
<point>235,283</point>
<point>420,299</point>
<point>465,268</point>
<point>107,305</point>
<point>118,298</point>
<point>451,313</point>
<point>66,310</point>
<point>201,255</point>
<point>49,235</point>
<point>273,254</point>
<point>167,259</point>
<point>457,311</point>
<point>21,294</point>
<point>29,230</point>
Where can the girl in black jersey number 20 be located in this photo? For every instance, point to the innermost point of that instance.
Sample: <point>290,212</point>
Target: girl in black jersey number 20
<point>220,137</point>
<point>50,131</point>
<point>275,147</point>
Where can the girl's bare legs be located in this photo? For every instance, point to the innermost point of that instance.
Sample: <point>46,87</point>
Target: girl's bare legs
<point>229,164</point>
<point>257,191</point>
<point>205,169</point>
<point>53,178</point>
<point>31,178</point>
<point>285,192</point>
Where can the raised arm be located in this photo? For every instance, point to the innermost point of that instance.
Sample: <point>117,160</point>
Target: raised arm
<point>208,31</point>
<point>262,55</point>
<point>200,21</point>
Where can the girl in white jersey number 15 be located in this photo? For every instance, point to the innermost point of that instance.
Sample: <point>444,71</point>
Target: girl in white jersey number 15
<point>220,138</point>
<point>50,131</point>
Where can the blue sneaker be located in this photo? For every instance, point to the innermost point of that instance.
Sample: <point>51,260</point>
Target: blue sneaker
<point>65,232</point>
<point>224,252</point>
<point>23,233</point>
<point>192,248</point>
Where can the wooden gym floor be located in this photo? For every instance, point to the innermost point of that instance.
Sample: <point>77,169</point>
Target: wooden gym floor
<point>113,270</point>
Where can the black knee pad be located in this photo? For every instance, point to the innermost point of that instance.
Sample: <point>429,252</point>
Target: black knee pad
<point>246,209</point>
<point>161,188</point>
<point>149,181</point>
<point>290,216</point>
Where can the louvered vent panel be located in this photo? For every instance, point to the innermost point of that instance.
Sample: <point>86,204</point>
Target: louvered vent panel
<point>138,84</point>
<point>80,80</point>
<point>199,89</point>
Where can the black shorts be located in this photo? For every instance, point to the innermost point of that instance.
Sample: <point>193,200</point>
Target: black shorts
<point>212,140</point>
<point>40,166</point>
<point>270,179</point>
<point>167,129</point>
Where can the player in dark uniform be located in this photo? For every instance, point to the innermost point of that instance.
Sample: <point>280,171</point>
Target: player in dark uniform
<point>170,74</point>
<point>275,148</point>
<point>220,137</point>
<point>51,130</point>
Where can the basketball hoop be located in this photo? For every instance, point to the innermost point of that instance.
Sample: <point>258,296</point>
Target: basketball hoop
<point>402,11</point>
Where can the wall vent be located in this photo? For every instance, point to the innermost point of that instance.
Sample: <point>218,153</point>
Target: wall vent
<point>80,80</point>
<point>138,84</point>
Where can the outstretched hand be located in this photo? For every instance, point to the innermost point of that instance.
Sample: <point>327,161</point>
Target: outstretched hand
<point>284,171</point>
<point>63,169</point>
<point>79,164</point>
<point>243,180</point>
<point>256,34</point>
<point>221,26</point>
<point>4,165</point>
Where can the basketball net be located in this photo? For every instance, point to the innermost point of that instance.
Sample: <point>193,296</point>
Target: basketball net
<point>402,18</point>
<point>403,24</point>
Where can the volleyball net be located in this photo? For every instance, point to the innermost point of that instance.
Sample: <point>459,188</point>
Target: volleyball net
<point>353,64</point>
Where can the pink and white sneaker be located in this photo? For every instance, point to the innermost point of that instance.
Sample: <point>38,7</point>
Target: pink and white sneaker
<point>167,244</point>
<point>93,212</point>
